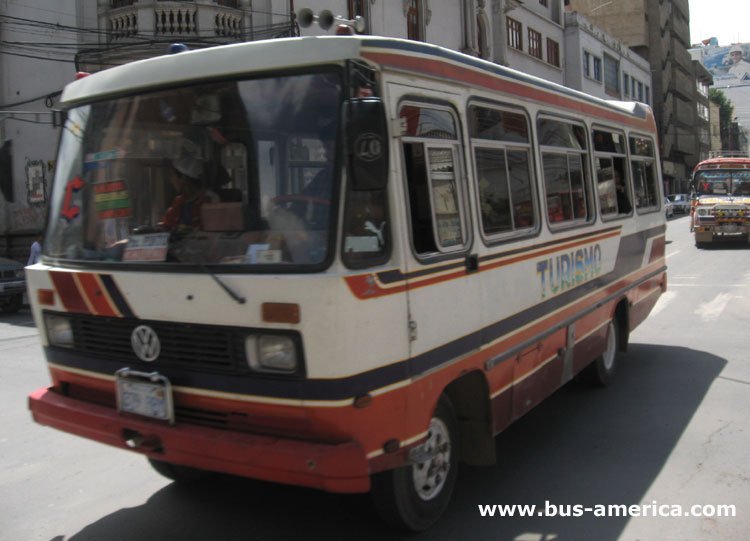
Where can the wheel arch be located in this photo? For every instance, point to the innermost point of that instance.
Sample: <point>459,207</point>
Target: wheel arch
<point>470,397</point>
<point>622,320</point>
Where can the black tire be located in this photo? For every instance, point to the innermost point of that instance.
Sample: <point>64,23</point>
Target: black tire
<point>602,370</point>
<point>414,497</point>
<point>180,474</point>
<point>11,305</point>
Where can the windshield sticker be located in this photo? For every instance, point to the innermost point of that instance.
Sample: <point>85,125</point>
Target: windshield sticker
<point>261,253</point>
<point>560,273</point>
<point>114,154</point>
<point>70,211</point>
<point>112,200</point>
<point>150,247</point>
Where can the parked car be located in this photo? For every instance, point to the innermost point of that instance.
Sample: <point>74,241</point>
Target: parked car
<point>12,285</point>
<point>680,202</point>
<point>668,208</point>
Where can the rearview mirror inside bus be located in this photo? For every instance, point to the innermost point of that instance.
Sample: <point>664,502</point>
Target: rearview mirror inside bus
<point>367,144</point>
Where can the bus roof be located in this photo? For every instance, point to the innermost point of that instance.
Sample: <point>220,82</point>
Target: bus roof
<point>388,53</point>
<point>723,163</point>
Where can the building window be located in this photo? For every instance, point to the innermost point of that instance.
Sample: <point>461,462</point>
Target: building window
<point>515,37</point>
<point>611,76</point>
<point>587,63</point>
<point>553,52</point>
<point>633,86</point>
<point>640,91</point>
<point>360,8</point>
<point>647,97</point>
<point>535,44</point>
<point>414,25</point>
<point>598,69</point>
<point>626,84</point>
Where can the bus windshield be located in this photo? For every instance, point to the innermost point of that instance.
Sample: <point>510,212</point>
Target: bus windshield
<point>722,182</point>
<point>228,173</point>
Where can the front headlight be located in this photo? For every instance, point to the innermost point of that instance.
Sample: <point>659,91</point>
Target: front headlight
<point>271,353</point>
<point>59,330</point>
<point>703,212</point>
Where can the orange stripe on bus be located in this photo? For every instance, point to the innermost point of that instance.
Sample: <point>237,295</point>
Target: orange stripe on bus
<point>96,295</point>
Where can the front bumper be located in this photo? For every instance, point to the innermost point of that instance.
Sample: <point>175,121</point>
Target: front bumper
<point>339,467</point>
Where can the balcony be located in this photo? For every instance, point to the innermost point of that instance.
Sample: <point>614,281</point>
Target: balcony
<point>184,20</point>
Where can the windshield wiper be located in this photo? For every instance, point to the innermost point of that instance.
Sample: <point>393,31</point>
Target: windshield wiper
<point>235,296</point>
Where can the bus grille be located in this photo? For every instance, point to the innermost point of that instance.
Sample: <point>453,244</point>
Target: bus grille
<point>182,345</point>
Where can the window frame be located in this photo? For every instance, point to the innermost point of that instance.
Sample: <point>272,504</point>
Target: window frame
<point>635,158</point>
<point>455,145</point>
<point>585,156</point>
<point>596,154</point>
<point>514,29</point>
<point>480,143</point>
<point>553,52</point>
<point>411,8</point>
<point>598,69</point>
<point>535,43</point>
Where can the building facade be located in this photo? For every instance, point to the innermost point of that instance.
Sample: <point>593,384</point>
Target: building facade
<point>660,33</point>
<point>533,36</point>
<point>600,65</point>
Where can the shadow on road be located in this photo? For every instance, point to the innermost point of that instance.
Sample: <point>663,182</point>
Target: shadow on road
<point>582,446</point>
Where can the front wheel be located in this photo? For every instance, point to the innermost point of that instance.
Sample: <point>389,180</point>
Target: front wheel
<point>415,496</point>
<point>602,370</point>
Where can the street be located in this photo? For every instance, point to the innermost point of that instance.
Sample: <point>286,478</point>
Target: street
<point>673,429</point>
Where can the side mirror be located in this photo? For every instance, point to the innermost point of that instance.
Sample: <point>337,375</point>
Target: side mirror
<point>367,147</point>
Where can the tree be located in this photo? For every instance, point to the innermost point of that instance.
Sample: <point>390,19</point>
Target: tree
<point>726,114</point>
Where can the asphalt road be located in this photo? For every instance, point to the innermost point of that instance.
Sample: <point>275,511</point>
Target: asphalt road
<point>673,429</point>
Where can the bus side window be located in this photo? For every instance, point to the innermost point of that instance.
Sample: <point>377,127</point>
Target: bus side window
<point>432,168</point>
<point>644,173</point>
<point>564,159</point>
<point>502,158</point>
<point>612,181</point>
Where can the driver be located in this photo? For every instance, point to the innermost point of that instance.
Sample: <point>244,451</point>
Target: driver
<point>185,209</point>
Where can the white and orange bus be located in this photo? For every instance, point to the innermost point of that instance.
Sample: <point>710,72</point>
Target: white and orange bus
<point>337,262</point>
<point>721,200</point>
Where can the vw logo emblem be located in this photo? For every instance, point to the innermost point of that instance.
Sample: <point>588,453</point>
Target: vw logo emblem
<point>145,343</point>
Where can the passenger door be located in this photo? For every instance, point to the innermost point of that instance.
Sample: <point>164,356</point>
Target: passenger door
<point>443,291</point>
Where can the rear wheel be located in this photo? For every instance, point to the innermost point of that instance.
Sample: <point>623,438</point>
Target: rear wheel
<point>414,497</point>
<point>602,370</point>
<point>178,473</point>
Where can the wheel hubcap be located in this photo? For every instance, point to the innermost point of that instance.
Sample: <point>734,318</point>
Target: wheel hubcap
<point>608,357</point>
<point>430,475</point>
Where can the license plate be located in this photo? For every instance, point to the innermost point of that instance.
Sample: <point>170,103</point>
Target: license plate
<point>730,228</point>
<point>145,394</point>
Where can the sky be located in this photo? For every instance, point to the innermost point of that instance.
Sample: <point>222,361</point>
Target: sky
<point>726,20</point>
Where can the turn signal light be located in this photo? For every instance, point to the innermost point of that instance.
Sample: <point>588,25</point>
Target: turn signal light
<point>281,312</point>
<point>45,297</point>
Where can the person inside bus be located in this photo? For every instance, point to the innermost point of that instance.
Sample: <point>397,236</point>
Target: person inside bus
<point>185,209</point>
<point>623,198</point>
